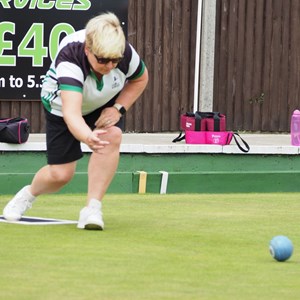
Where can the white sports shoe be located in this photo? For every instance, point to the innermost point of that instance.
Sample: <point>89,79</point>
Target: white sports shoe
<point>90,217</point>
<point>16,207</point>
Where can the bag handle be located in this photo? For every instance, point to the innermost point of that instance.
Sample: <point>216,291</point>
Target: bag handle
<point>244,147</point>
<point>198,119</point>
<point>216,121</point>
<point>214,115</point>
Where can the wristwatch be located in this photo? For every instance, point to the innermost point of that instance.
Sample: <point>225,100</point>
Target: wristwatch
<point>120,108</point>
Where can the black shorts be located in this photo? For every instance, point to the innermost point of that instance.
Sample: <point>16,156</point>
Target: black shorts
<point>62,146</point>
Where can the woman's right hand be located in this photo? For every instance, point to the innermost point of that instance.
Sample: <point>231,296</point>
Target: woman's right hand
<point>95,142</point>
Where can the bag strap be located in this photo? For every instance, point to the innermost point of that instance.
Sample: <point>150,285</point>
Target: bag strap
<point>180,137</point>
<point>246,147</point>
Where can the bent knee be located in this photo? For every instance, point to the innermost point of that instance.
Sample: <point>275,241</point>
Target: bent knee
<point>62,175</point>
<point>114,135</point>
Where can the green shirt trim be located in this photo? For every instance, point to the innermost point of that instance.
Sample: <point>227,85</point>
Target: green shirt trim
<point>99,83</point>
<point>67,87</point>
<point>140,73</point>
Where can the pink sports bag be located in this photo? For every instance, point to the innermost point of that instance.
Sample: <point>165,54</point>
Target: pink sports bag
<point>208,128</point>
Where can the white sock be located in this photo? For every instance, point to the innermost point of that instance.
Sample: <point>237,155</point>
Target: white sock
<point>95,203</point>
<point>30,196</point>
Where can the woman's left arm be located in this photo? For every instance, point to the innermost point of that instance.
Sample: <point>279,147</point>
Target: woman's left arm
<point>132,90</point>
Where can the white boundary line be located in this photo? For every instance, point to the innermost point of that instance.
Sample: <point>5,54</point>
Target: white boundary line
<point>44,221</point>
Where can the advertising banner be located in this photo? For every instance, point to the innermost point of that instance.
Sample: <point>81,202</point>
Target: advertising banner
<point>30,31</point>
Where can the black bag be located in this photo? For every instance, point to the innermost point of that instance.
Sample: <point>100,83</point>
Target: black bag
<point>14,130</point>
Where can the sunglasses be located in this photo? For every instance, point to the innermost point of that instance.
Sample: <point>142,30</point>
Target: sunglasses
<point>105,61</point>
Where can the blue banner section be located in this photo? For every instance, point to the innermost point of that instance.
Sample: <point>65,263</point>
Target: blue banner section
<point>30,31</point>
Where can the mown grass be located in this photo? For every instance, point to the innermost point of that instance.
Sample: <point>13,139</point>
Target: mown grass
<point>154,247</point>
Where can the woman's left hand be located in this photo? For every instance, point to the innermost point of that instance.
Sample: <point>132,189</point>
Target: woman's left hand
<point>109,117</point>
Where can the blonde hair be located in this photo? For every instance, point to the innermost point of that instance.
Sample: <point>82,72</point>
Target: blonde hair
<point>105,36</point>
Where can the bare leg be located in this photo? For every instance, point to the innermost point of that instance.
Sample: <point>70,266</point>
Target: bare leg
<point>48,179</point>
<point>102,166</point>
<point>51,178</point>
<point>101,170</point>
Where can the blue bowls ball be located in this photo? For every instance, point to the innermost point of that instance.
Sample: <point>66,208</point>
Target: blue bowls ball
<point>281,248</point>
